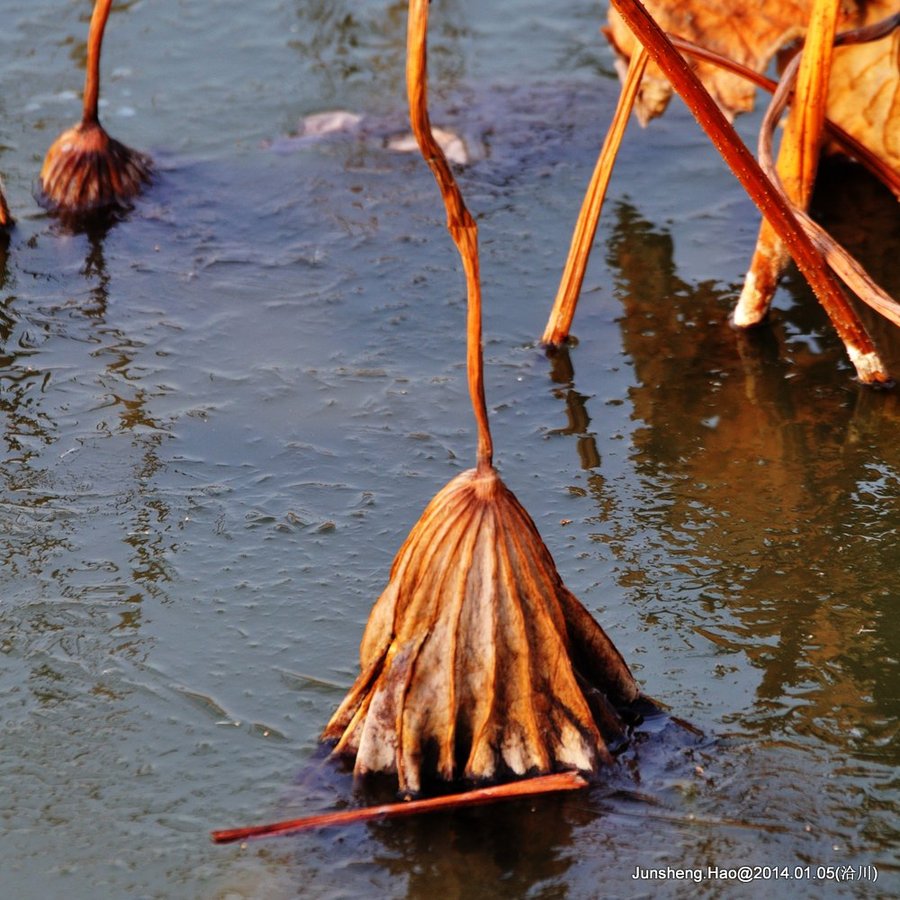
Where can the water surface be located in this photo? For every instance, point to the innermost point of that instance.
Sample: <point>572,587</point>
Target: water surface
<point>222,416</point>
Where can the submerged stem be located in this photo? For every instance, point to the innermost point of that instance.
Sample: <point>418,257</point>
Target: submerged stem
<point>460,223</point>
<point>92,77</point>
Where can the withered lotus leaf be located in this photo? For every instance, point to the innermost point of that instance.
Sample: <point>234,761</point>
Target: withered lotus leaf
<point>477,662</point>
<point>87,170</point>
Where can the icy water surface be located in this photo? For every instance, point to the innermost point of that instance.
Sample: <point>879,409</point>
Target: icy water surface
<point>222,416</point>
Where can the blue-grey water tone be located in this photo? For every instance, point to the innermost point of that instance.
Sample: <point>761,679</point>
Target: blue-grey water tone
<point>221,417</point>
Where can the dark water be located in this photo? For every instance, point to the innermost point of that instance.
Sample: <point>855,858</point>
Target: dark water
<point>222,416</point>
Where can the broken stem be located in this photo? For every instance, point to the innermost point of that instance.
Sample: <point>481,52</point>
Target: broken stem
<point>528,787</point>
<point>797,160</point>
<point>773,206</point>
<point>560,321</point>
<point>460,223</point>
<point>92,77</point>
<point>844,265</point>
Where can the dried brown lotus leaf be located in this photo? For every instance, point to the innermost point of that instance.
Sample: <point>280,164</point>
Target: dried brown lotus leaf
<point>86,170</point>
<point>748,31</point>
<point>864,93</point>
<point>477,663</point>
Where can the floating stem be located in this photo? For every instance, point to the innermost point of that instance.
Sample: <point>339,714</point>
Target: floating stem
<point>527,787</point>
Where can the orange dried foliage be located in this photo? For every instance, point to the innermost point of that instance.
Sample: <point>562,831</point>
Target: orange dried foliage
<point>864,95</point>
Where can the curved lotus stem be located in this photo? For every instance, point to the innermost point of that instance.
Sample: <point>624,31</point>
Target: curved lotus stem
<point>477,663</point>
<point>91,97</point>
<point>848,144</point>
<point>845,266</point>
<point>460,223</point>
<point>85,170</point>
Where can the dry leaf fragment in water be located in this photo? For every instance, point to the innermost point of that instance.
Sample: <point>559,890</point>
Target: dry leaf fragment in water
<point>6,219</point>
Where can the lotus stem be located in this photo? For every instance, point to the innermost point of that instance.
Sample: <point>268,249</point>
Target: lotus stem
<point>527,787</point>
<point>460,223</point>
<point>844,265</point>
<point>798,160</point>
<point>92,77</point>
<point>863,354</point>
<point>560,321</point>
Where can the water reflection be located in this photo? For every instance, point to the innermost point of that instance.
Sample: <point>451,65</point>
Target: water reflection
<point>562,372</point>
<point>64,494</point>
<point>767,502</point>
<point>145,534</point>
<point>506,851</point>
<point>353,42</point>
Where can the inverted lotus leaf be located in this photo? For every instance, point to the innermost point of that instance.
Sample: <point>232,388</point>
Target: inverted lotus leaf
<point>86,170</point>
<point>477,663</point>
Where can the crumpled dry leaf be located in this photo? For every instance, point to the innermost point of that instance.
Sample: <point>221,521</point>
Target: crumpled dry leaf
<point>864,94</point>
<point>865,81</point>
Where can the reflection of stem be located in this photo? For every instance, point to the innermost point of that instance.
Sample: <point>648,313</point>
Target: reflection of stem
<point>460,223</point>
<point>563,311</point>
<point>862,351</point>
<point>562,372</point>
<point>95,267</point>
<point>94,45</point>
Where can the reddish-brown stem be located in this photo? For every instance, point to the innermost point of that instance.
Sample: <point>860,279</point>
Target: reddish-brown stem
<point>798,159</point>
<point>529,787</point>
<point>850,145</point>
<point>460,223</point>
<point>92,77</point>
<point>773,206</point>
